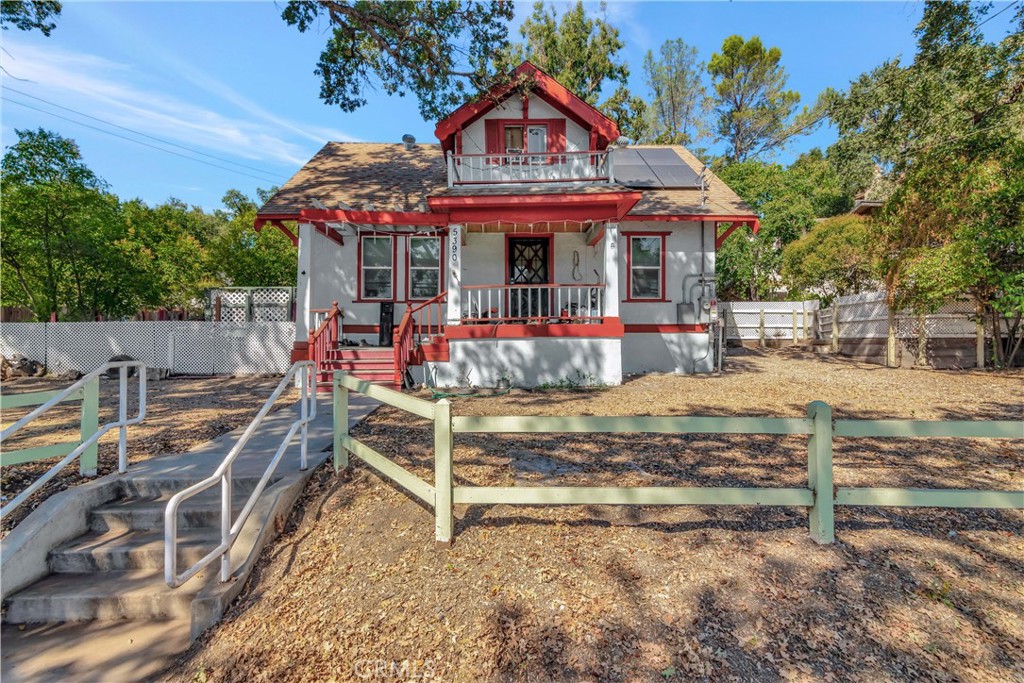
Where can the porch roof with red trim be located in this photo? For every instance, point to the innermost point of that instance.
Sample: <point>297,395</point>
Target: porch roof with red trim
<point>544,86</point>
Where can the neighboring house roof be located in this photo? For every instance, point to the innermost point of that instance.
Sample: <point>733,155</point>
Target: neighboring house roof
<point>866,207</point>
<point>387,176</point>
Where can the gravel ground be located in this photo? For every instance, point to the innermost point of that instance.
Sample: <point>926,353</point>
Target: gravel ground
<point>356,590</point>
<point>181,413</point>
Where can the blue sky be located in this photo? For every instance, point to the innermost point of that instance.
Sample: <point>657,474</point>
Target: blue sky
<point>233,81</point>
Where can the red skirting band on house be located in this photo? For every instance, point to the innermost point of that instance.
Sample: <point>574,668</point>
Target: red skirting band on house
<point>611,327</point>
<point>664,328</point>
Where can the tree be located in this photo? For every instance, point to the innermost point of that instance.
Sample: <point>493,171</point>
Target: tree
<point>582,53</point>
<point>788,200</point>
<point>59,227</point>
<point>680,102</point>
<point>245,258</point>
<point>947,131</point>
<point>27,15</point>
<point>833,259</point>
<point>440,51</point>
<point>756,114</point>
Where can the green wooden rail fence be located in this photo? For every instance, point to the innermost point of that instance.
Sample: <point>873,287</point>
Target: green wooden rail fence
<point>819,495</point>
<point>89,395</point>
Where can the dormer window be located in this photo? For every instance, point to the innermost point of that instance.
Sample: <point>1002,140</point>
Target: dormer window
<point>541,137</point>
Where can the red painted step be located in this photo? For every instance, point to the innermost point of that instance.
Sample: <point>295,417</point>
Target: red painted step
<point>360,353</point>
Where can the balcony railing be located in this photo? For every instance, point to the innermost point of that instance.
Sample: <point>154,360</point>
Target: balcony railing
<point>561,167</point>
<point>533,303</point>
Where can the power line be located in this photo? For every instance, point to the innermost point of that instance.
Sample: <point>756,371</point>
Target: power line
<point>137,142</point>
<point>1012,4</point>
<point>130,130</point>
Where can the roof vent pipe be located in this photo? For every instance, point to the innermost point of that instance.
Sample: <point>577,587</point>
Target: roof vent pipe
<point>409,141</point>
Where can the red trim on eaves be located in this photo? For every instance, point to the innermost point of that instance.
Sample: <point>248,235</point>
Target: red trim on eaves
<point>754,221</point>
<point>372,217</point>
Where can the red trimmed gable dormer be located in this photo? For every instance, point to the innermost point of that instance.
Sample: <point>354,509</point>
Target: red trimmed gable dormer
<point>558,119</point>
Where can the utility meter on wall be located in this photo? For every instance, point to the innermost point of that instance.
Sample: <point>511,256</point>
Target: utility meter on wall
<point>713,310</point>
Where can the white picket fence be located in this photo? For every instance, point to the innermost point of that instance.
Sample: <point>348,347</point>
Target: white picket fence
<point>183,347</point>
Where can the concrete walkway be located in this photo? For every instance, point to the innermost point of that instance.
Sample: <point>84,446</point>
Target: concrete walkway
<point>136,649</point>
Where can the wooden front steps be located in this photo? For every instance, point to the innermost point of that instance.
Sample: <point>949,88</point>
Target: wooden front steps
<point>373,364</point>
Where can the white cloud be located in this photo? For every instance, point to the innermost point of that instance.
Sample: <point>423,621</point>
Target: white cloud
<point>111,91</point>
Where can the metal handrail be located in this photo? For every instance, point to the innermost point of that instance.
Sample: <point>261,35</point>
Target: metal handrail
<point>229,532</point>
<point>122,424</point>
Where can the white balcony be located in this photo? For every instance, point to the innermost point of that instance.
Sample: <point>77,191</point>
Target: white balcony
<point>560,167</point>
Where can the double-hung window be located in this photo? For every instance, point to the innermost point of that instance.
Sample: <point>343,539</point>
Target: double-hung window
<point>378,267</point>
<point>646,266</point>
<point>424,267</point>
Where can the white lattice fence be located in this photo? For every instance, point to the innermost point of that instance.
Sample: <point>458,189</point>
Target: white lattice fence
<point>27,339</point>
<point>252,304</point>
<point>866,316</point>
<point>743,319</point>
<point>185,347</point>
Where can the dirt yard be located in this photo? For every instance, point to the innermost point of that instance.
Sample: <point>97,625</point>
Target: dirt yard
<point>181,413</point>
<point>355,588</point>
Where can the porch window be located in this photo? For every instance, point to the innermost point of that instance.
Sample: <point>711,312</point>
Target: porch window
<point>646,266</point>
<point>377,269</point>
<point>424,267</point>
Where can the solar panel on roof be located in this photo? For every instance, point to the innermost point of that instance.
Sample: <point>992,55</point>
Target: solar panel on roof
<point>631,170</point>
<point>652,168</point>
<point>670,168</point>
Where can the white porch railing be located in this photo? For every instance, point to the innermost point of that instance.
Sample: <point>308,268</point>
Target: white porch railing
<point>486,169</point>
<point>554,303</point>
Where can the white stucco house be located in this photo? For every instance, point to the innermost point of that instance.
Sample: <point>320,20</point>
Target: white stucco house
<point>526,244</point>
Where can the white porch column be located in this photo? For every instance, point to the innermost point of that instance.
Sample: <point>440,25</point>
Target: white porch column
<point>611,270</point>
<point>454,275</point>
<point>303,280</point>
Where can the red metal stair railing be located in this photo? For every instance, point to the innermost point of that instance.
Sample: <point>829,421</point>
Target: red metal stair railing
<point>324,339</point>
<point>420,322</point>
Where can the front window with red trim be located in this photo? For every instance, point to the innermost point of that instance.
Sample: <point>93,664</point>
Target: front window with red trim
<point>378,267</point>
<point>424,267</point>
<point>646,266</point>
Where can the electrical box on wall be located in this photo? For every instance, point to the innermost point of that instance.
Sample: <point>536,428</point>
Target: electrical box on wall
<point>686,314</point>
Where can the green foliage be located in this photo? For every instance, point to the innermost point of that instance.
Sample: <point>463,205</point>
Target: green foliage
<point>27,15</point>
<point>440,51</point>
<point>71,247</point>
<point>947,133</point>
<point>59,226</point>
<point>679,99</point>
<point>755,112</point>
<point>833,259</point>
<point>582,52</point>
<point>788,201</point>
<point>246,258</point>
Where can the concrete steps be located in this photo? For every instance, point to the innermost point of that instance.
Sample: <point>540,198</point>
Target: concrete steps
<point>115,570</point>
<point>105,595</point>
<point>127,550</point>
